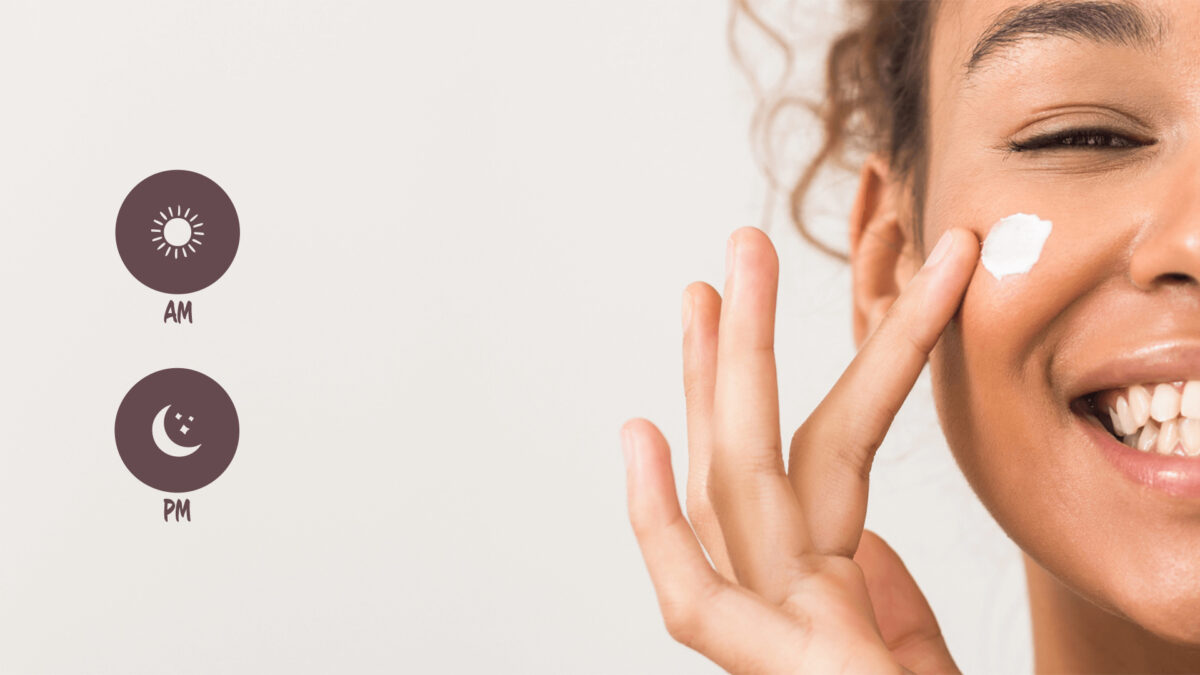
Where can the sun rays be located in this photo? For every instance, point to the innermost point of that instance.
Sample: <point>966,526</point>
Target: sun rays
<point>177,232</point>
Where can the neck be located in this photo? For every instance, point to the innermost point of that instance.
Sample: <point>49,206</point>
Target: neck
<point>1071,635</point>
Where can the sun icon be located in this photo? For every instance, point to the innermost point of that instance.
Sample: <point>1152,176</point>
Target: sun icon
<point>177,232</point>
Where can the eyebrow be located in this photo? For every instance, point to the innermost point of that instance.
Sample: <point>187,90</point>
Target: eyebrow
<point>1103,21</point>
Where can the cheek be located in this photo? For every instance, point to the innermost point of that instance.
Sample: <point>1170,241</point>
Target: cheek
<point>993,359</point>
<point>1000,343</point>
<point>1016,440</point>
<point>989,373</point>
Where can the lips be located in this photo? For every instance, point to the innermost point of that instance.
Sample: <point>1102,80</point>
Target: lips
<point>1104,382</point>
<point>1160,362</point>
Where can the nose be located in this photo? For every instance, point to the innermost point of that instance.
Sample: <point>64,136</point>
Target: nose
<point>1167,251</point>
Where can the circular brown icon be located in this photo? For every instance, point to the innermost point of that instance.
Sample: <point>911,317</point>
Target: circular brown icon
<point>177,430</point>
<point>177,232</point>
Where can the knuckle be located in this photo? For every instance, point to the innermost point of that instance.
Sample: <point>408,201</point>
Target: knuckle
<point>720,489</point>
<point>757,454</point>
<point>856,458</point>
<point>813,591</point>
<point>800,611</point>
<point>680,624</point>
<point>920,345</point>
<point>804,568</point>
<point>916,638</point>
<point>648,527</point>
<point>848,443</point>
<point>748,483</point>
<point>897,329</point>
<point>686,611</point>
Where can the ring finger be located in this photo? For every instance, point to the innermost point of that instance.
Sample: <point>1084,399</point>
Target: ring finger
<point>702,312</point>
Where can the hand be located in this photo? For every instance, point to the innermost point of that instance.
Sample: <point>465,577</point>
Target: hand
<point>798,584</point>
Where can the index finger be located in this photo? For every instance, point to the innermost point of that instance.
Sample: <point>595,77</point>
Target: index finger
<point>831,453</point>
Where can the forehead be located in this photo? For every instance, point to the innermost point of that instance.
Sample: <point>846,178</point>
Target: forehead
<point>977,41</point>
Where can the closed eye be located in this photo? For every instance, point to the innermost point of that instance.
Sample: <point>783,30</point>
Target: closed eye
<point>1084,138</point>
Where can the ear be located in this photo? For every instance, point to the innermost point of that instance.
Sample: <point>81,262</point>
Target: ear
<point>881,246</point>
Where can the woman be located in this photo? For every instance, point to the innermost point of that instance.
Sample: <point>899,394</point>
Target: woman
<point>1063,384</point>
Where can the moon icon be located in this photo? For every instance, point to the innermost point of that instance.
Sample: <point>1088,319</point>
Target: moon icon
<point>163,441</point>
<point>165,412</point>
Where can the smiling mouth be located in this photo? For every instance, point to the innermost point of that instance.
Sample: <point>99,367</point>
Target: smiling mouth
<point>1160,417</point>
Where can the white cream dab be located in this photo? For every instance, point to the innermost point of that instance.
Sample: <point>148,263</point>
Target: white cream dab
<point>1014,244</point>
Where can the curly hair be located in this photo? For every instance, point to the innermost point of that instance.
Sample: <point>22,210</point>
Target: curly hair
<point>874,100</point>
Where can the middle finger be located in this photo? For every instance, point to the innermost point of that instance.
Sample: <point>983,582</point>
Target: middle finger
<point>760,518</point>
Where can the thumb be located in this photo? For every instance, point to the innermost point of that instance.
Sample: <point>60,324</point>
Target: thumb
<point>905,619</point>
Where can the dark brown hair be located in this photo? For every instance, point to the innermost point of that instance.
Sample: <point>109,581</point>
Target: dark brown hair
<point>876,77</point>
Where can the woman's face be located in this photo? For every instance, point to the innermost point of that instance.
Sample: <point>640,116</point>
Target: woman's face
<point>1114,300</point>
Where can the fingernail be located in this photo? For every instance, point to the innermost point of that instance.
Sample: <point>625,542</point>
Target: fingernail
<point>687,309</point>
<point>729,246</point>
<point>940,250</point>
<point>627,445</point>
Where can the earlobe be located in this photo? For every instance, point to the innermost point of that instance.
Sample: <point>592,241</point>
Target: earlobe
<point>880,247</point>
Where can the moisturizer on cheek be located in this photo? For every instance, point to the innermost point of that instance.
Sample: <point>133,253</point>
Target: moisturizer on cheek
<point>1014,244</point>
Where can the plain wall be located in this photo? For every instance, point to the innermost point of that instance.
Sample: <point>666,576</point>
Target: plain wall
<point>465,228</point>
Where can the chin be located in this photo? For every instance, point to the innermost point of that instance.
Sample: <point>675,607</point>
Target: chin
<point>1171,615</point>
<point>1116,524</point>
<point>1158,593</point>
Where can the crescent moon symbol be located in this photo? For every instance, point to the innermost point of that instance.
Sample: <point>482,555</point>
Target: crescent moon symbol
<point>163,441</point>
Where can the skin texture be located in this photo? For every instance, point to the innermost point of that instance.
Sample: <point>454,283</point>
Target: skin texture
<point>1113,567</point>
<point>795,584</point>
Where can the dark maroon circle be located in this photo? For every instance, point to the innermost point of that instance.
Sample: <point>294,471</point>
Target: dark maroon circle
<point>212,222</point>
<point>214,427</point>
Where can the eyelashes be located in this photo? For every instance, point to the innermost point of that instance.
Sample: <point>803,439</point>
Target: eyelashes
<point>1082,138</point>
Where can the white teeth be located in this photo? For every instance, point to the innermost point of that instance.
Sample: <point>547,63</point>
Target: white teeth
<point>1165,403</point>
<point>1168,437</point>
<point>1131,439</point>
<point>1189,432</point>
<point>1139,403</point>
<point>1189,403</point>
<point>1149,435</point>
<point>1163,418</point>
<point>1126,416</point>
<point>1116,422</point>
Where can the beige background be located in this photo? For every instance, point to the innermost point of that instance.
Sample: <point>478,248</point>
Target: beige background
<point>465,230</point>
